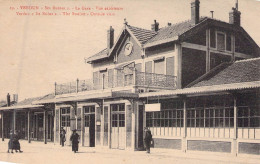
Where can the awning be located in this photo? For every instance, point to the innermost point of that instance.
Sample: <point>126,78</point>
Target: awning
<point>203,89</point>
<point>21,107</point>
<point>121,66</point>
<point>98,95</point>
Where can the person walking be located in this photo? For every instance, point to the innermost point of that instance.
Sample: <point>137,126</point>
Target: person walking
<point>62,136</point>
<point>147,139</point>
<point>74,138</point>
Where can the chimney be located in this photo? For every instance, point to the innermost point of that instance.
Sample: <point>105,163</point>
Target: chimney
<point>234,17</point>
<point>8,100</point>
<point>195,12</point>
<point>155,26</point>
<point>15,98</point>
<point>110,38</point>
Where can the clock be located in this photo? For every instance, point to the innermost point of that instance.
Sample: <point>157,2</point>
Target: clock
<point>128,48</point>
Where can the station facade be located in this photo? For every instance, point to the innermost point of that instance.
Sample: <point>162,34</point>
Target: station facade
<point>195,84</point>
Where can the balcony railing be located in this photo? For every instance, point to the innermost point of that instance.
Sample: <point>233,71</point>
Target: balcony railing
<point>140,79</point>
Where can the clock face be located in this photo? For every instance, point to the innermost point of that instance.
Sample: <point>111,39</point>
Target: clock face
<point>128,48</point>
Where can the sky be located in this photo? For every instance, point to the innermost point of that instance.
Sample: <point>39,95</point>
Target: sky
<point>38,50</point>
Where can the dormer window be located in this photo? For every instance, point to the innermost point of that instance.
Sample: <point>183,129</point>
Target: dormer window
<point>221,44</point>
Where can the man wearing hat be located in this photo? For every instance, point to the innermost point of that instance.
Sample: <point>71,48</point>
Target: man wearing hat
<point>147,139</point>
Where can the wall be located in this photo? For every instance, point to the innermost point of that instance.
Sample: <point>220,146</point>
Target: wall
<point>193,65</point>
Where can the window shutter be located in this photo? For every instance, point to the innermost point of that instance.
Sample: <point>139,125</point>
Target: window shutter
<point>138,67</point>
<point>57,120</point>
<point>212,38</point>
<point>148,67</point>
<point>110,78</point>
<point>72,119</point>
<point>79,110</point>
<point>170,66</point>
<point>95,79</point>
<point>228,41</point>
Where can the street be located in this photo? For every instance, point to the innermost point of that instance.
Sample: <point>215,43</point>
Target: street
<point>37,153</point>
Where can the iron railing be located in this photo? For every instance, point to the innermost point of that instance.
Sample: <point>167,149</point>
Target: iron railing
<point>119,79</point>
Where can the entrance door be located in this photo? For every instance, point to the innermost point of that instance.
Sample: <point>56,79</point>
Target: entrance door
<point>50,127</point>
<point>118,137</point>
<point>89,118</point>
<point>37,128</point>
<point>65,123</point>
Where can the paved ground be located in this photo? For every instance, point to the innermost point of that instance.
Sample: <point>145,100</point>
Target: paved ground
<point>38,153</point>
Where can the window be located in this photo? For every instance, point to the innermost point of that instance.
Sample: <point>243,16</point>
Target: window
<point>195,118</point>
<point>118,115</point>
<point>210,112</point>
<point>248,116</point>
<point>88,110</point>
<point>221,41</point>
<point>159,66</point>
<point>167,118</point>
<point>117,107</point>
<point>65,117</point>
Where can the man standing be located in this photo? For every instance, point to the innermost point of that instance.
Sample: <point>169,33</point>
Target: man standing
<point>62,136</point>
<point>147,139</point>
<point>16,143</point>
<point>74,138</point>
<point>10,143</point>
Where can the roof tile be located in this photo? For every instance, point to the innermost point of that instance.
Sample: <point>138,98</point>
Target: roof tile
<point>238,72</point>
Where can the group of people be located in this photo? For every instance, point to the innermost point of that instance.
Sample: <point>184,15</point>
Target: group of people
<point>74,138</point>
<point>14,143</point>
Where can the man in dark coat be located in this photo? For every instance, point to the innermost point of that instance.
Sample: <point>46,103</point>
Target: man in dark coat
<point>74,138</point>
<point>16,143</point>
<point>147,139</point>
<point>10,143</point>
<point>62,136</point>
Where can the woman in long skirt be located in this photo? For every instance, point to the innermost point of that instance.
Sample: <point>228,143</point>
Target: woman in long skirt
<point>74,138</point>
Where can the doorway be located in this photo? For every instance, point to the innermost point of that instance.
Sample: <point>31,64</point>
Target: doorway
<point>89,125</point>
<point>140,127</point>
<point>37,127</point>
<point>118,138</point>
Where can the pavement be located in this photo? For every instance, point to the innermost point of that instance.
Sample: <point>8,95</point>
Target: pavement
<point>38,152</point>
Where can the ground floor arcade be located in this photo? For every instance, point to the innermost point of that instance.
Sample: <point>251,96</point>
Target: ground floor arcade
<point>221,122</point>
<point>226,122</point>
<point>30,124</point>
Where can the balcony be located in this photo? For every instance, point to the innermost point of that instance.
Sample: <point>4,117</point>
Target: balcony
<point>138,79</point>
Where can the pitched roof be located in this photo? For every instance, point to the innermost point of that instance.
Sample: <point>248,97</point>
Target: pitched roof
<point>145,36</point>
<point>171,31</point>
<point>46,97</point>
<point>100,55</point>
<point>27,101</point>
<point>142,35</point>
<point>148,38</point>
<point>238,72</point>
<point>203,89</point>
